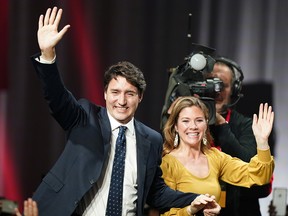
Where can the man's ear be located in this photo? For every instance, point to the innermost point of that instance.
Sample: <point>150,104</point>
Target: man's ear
<point>140,98</point>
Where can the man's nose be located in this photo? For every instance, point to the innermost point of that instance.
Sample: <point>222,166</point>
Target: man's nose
<point>122,99</point>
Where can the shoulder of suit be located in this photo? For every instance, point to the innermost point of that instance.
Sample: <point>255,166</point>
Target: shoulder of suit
<point>144,128</point>
<point>88,105</point>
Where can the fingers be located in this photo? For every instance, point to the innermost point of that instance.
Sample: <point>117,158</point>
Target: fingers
<point>260,114</point>
<point>212,208</point>
<point>52,16</point>
<point>17,212</point>
<point>272,118</point>
<point>34,208</point>
<point>58,17</point>
<point>213,197</point>
<point>47,15</point>
<point>26,208</point>
<point>40,22</point>
<point>30,208</point>
<point>265,111</point>
<point>268,114</point>
<point>209,214</point>
<point>202,199</point>
<point>64,30</point>
<point>255,118</point>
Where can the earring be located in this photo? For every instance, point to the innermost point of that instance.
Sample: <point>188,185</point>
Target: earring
<point>205,140</point>
<point>176,140</point>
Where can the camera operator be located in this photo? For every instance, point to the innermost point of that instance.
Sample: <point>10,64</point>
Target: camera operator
<point>232,133</point>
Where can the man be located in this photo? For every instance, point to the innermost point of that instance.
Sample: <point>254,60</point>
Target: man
<point>79,182</point>
<point>233,135</point>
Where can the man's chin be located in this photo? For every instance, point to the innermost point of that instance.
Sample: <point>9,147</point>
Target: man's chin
<point>123,117</point>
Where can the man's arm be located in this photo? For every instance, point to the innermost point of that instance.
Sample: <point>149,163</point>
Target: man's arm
<point>64,107</point>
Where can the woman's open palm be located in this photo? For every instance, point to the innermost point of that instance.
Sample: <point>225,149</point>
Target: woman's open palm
<point>263,123</point>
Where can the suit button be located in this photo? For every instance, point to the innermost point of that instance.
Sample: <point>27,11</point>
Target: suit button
<point>92,181</point>
<point>76,202</point>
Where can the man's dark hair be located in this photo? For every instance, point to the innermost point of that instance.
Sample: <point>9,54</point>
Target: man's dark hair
<point>129,71</point>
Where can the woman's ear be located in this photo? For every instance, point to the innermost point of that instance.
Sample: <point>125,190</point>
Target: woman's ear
<point>175,128</point>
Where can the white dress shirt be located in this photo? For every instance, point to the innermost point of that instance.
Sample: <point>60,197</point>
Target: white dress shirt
<point>101,188</point>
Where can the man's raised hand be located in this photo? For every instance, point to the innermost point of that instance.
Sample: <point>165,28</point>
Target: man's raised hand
<point>48,34</point>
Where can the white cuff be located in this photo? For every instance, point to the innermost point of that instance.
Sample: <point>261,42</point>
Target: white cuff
<point>43,61</point>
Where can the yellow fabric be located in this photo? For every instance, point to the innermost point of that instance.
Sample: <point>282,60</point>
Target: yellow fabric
<point>222,200</point>
<point>221,166</point>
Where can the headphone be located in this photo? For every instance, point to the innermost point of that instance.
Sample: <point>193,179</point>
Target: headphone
<point>238,76</point>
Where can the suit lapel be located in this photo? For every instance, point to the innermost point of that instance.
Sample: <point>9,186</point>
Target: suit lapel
<point>143,149</point>
<point>105,130</point>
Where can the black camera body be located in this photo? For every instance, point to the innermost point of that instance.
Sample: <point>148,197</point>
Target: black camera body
<point>209,87</point>
<point>191,78</point>
<point>191,82</point>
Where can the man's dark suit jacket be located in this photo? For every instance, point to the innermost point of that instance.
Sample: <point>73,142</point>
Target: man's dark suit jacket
<point>88,143</point>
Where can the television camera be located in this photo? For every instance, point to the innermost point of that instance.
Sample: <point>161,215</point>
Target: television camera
<point>192,78</point>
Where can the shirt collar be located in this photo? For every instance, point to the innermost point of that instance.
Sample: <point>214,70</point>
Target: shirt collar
<point>115,124</point>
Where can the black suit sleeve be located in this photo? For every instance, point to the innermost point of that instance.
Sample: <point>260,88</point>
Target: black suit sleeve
<point>63,106</point>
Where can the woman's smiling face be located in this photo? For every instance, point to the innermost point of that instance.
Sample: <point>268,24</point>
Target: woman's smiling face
<point>191,126</point>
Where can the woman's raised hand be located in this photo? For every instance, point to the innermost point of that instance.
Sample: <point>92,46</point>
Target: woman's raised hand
<point>262,125</point>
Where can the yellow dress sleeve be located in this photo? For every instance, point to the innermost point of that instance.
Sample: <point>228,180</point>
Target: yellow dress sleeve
<point>237,172</point>
<point>170,172</point>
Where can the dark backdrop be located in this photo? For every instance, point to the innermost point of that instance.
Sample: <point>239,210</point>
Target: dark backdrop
<point>152,34</point>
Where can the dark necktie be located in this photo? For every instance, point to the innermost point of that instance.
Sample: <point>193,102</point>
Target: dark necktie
<point>114,205</point>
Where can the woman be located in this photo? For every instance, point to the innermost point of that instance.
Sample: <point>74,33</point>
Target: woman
<point>189,162</point>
